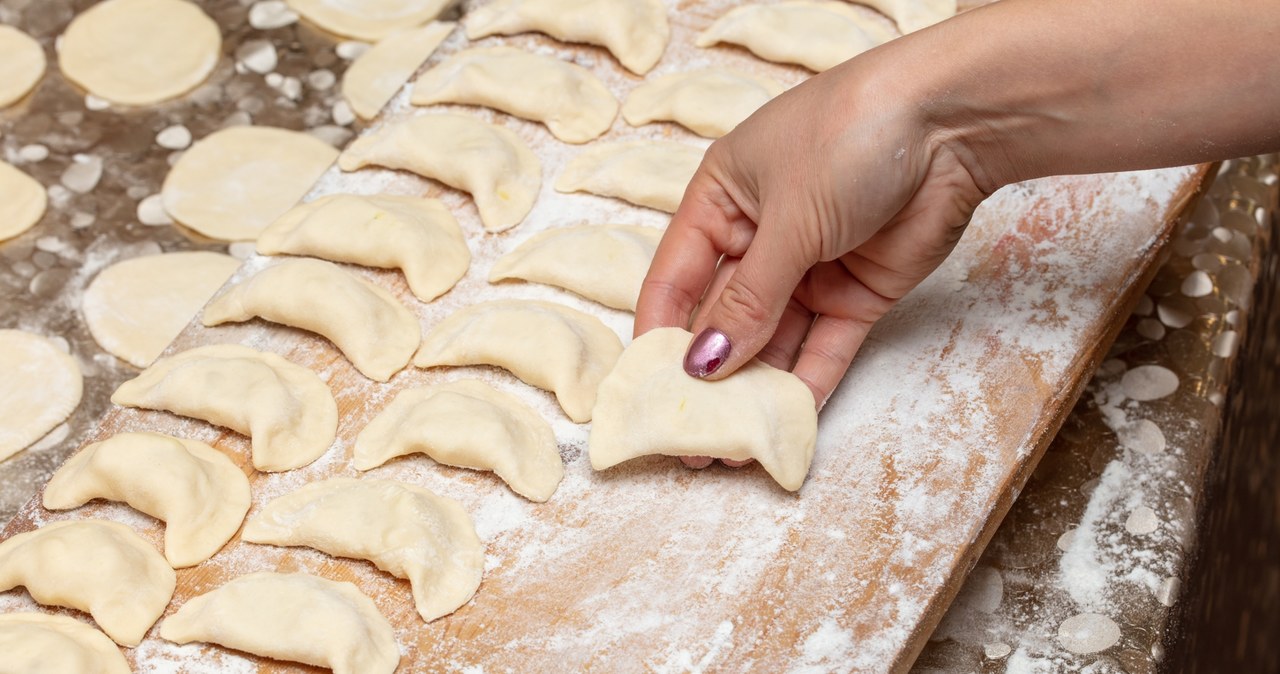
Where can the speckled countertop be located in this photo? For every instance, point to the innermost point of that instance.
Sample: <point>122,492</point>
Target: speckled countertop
<point>1086,571</point>
<point>100,165</point>
<point>1092,553</point>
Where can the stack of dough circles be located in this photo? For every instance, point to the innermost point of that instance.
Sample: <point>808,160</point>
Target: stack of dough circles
<point>236,181</point>
<point>136,307</point>
<point>21,65</point>
<point>139,52</point>
<point>22,200</point>
<point>369,20</point>
<point>40,385</point>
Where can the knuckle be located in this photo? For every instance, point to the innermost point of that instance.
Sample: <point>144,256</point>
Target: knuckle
<point>743,303</point>
<point>670,292</point>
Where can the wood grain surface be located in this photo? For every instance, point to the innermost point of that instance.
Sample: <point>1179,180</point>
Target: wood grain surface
<point>653,567</point>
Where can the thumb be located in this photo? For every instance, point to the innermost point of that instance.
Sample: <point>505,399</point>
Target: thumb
<point>745,314</point>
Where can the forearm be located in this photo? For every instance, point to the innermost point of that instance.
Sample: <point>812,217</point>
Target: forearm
<point>1028,88</point>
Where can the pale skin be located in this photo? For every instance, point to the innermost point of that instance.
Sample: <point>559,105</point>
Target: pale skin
<point>809,221</point>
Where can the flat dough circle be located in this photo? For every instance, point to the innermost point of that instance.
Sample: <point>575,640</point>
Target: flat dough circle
<point>369,20</point>
<point>375,77</point>
<point>139,52</point>
<point>22,201</point>
<point>237,181</point>
<point>21,64</point>
<point>40,385</point>
<point>136,307</point>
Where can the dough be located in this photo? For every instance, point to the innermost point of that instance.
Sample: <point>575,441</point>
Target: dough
<point>199,493</point>
<point>636,31</point>
<point>545,344</point>
<point>139,52</point>
<point>817,34</point>
<point>40,385</point>
<point>22,201</point>
<point>648,405</point>
<point>468,424</point>
<point>912,15</point>
<point>651,173</point>
<point>488,161</point>
<point>236,181</point>
<point>368,324</point>
<point>34,643</point>
<point>375,77</point>
<point>22,65</point>
<point>416,235</point>
<point>403,529</point>
<point>286,409</point>
<point>291,616</point>
<point>709,102</point>
<point>605,263</point>
<point>368,20</point>
<point>95,566</point>
<point>519,83</point>
<point>136,307</point>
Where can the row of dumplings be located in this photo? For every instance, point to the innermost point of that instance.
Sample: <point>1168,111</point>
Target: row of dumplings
<point>107,570</point>
<point>291,416</point>
<point>817,34</point>
<point>503,175</point>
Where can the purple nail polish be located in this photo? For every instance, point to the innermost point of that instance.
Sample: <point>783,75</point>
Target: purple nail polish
<point>708,351</point>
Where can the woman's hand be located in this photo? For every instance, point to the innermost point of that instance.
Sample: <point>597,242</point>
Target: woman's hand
<point>806,224</point>
<point>802,227</point>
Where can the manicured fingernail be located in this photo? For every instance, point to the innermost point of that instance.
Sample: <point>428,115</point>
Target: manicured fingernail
<point>709,350</point>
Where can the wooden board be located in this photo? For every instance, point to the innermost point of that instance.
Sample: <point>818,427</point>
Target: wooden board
<point>652,567</point>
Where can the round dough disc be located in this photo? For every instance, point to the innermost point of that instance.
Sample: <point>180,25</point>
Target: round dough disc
<point>40,385</point>
<point>21,64</point>
<point>237,181</point>
<point>22,201</point>
<point>369,20</point>
<point>136,307</point>
<point>139,52</point>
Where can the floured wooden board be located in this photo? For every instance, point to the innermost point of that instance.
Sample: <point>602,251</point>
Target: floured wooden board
<point>653,567</point>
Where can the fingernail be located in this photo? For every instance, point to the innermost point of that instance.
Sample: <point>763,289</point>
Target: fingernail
<point>709,350</point>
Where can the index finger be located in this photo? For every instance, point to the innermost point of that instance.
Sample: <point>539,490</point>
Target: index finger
<point>707,225</point>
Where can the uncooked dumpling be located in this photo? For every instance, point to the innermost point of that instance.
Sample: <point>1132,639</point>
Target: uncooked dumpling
<point>40,385</point>
<point>286,409</point>
<point>291,616</point>
<point>375,77</point>
<point>369,20</point>
<point>709,102</point>
<point>200,494</point>
<point>545,344</point>
<point>649,405</point>
<point>139,52</point>
<point>605,263</point>
<point>414,234</point>
<point>651,173</point>
<point>469,424</point>
<point>22,201</point>
<point>488,161</point>
<point>96,566</point>
<point>134,308</point>
<point>403,529</point>
<point>35,643</point>
<point>636,31</point>
<point>373,330</point>
<point>912,15</point>
<point>236,181</point>
<point>817,34</point>
<point>573,103</point>
<point>22,65</point>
